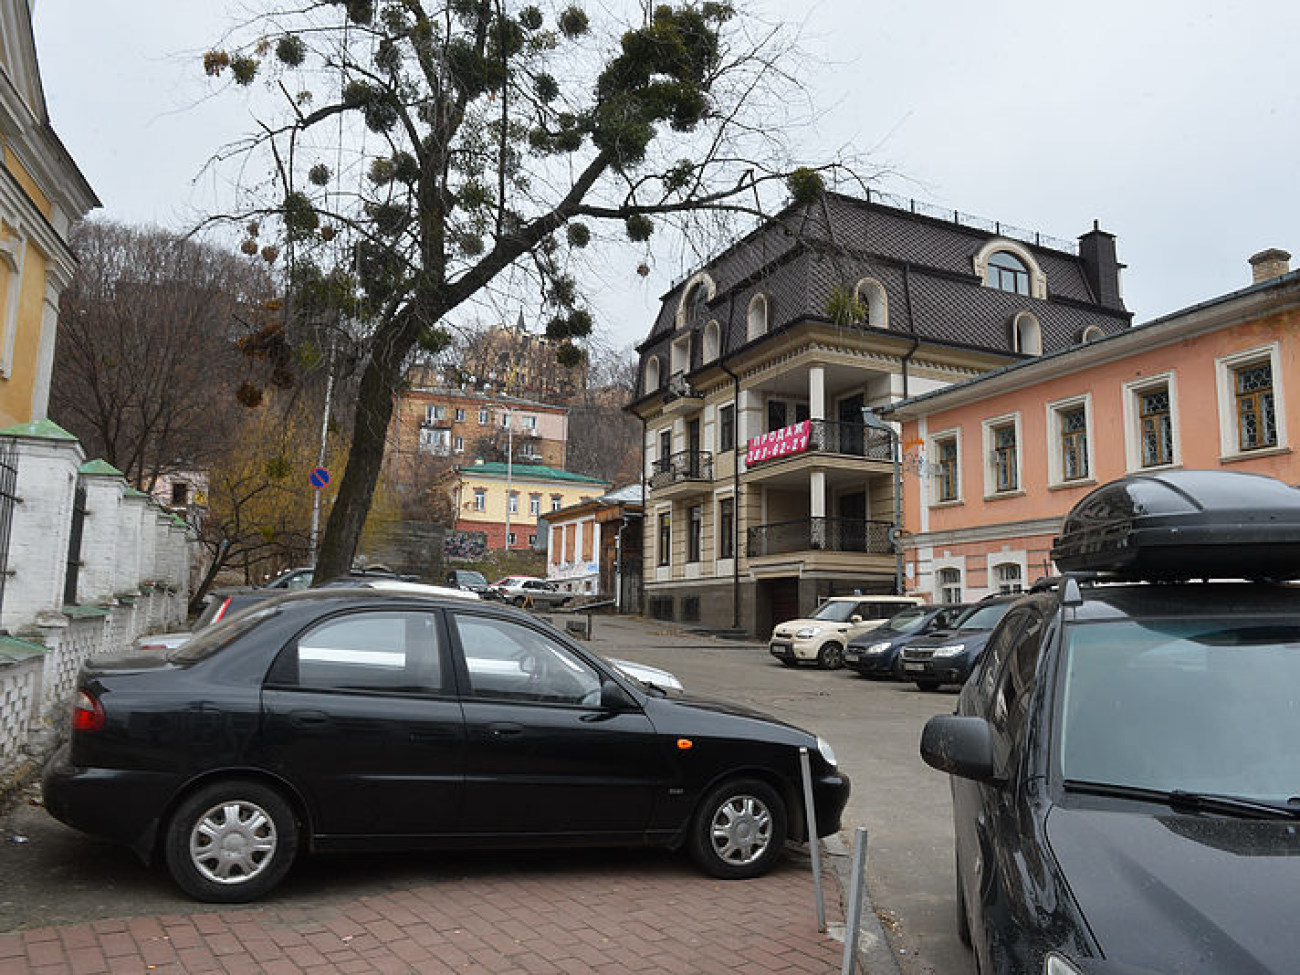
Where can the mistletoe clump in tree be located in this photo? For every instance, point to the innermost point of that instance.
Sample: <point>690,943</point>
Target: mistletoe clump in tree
<point>434,155</point>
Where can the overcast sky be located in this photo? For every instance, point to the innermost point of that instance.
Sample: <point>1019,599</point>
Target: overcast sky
<point>1174,124</point>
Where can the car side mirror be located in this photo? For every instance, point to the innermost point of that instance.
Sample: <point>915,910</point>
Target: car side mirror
<point>959,745</point>
<point>613,697</point>
<point>855,618</point>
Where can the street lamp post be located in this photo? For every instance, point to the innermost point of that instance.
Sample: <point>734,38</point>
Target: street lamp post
<point>510,452</point>
<point>873,422</point>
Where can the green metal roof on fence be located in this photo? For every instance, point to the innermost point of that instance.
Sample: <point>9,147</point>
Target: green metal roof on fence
<point>100,467</point>
<point>39,429</point>
<point>84,612</point>
<point>16,650</point>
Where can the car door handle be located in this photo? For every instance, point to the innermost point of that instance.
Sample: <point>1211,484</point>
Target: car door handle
<point>505,729</point>
<point>308,719</point>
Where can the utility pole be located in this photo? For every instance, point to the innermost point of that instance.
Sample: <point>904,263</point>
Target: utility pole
<point>510,456</point>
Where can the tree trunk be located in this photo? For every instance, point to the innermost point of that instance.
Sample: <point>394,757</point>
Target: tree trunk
<point>383,373</point>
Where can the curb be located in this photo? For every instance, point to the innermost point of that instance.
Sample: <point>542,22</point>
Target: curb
<point>874,955</point>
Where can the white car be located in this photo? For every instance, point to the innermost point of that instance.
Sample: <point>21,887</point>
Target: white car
<point>530,591</point>
<point>823,636</point>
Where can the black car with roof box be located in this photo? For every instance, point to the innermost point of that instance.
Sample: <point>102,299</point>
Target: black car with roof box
<point>1125,775</point>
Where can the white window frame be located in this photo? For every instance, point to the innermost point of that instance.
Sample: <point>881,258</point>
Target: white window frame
<point>756,315</point>
<point>653,374</point>
<point>1055,458</point>
<point>1225,371</point>
<point>995,559</point>
<point>987,429</point>
<point>873,294</point>
<point>955,564</point>
<point>460,414</point>
<point>681,356</point>
<point>530,422</point>
<point>1133,392</point>
<point>512,502</point>
<point>1027,334</point>
<point>534,504</point>
<point>1037,277</point>
<point>458,445</point>
<point>557,502</point>
<point>936,439</point>
<point>511,539</point>
<point>484,416</point>
<point>480,499</point>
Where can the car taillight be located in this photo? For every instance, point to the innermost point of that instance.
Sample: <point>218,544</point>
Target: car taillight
<point>87,713</point>
<point>225,605</point>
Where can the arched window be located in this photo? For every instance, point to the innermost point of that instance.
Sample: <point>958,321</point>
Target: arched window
<point>652,374</point>
<point>693,310</point>
<point>1027,334</point>
<point>1008,273</point>
<point>872,293</point>
<point>756,318</point>
<point>1008,577</point>
<point>712,341</point>
<point>1091,334</point>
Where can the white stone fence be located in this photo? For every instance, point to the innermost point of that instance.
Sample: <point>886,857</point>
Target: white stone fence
<point>131,577</point>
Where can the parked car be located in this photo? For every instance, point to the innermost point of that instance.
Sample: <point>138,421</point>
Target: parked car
<point>1123,760</point>
<point>296,579</point>
<point>530,591</point>
<point>823,636</point>
<point>875,653</point>
<point>468,579</point>
<point>355,719</point>
<point>948,656</point>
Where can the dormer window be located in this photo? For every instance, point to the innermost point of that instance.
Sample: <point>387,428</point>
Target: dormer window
<point>756,319</point>
<point>693,309</point>
<point>871,294</point>
<point>712,341</point>
<point>1027,334</point>
<point>1008,273</point>
<point>652,374</point>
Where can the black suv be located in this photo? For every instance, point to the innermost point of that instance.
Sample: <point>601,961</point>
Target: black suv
<point>948,656</point>
<point>1124,763</point>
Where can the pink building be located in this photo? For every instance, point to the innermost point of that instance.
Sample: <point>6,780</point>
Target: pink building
<point>991,465</point>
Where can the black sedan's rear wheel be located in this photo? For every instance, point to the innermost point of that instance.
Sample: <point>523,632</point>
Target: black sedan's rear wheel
<point>739,830</point>
<point>231,842</point>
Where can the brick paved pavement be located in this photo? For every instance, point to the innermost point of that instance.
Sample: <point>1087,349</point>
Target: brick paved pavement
<point>652,916</point>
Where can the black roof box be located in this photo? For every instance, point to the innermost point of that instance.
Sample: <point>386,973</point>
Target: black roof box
<point>1185,525</point>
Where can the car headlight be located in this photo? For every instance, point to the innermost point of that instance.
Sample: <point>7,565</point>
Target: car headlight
<point>1054,964</point>
<point>951,650</point>
<point>876,648</point>
<point>827,752</point>
<point>807,632</point>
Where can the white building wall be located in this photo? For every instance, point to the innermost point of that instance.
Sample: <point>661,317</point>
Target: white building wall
<point>100,539</point>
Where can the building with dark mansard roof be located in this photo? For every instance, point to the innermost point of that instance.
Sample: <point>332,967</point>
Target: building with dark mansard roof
<point>765,490</point>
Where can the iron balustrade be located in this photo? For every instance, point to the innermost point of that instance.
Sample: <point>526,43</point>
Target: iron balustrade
<point>820,534</point>
<point>854,439</point>
<point>685,465</point>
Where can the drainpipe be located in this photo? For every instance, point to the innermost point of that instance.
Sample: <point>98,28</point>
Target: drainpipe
<point>911,325</point>
<point>735,501</point>
<point>645,510</point>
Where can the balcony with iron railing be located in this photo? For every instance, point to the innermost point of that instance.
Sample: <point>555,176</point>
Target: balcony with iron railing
<point>832,446</point>
<point>681,474</point>
<point>861,543</point>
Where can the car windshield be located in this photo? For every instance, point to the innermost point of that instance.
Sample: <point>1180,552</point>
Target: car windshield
<point>471,579</point>
<point>908,621</point>
<point>983,617</point>
<point>836,612</point>
<point>1200,705</point>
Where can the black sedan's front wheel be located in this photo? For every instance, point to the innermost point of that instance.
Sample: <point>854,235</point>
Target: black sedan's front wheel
<point>739,830</point>
<point>231,842</point>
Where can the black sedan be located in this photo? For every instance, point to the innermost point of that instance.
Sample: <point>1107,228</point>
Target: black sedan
<point>874,654</point>
<point>356,719</point>
<point>948,656</point>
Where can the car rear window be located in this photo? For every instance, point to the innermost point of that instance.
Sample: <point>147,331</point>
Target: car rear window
<point>983,617</point>
<point>210,639</point>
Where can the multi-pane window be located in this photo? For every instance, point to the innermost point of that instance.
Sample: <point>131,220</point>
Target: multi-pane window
<point>458,444</point>
<point>1008,577</point>
<point>1008,273</point>
<point>480,499</point>
<point>534,504</point>
<point>949,585</point>
<point>1256,416</point>
<point>665,538</point>
<point>557,502</point>
<point>530,423</point>
<point>460,414</point>
<point>727,427</point>
<point>665,448</point>
<point>1157,427</point>
<point>695,533</point>
<point>483,417</point>
<point>727,528</point>
<point>1074,443</point>
<point>946,469</point>
<point>1004,458</point>
<point>514,502</point>
<point>510,539</point>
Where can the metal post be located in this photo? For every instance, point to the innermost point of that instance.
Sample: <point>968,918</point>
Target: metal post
<point>510,450</point>
<point>858,879</point>
<point>814,847</point>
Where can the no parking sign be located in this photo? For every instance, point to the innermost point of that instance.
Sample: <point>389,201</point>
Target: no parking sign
<point>320,477</point>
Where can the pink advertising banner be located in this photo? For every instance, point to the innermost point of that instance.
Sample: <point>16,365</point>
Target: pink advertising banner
<point>779,443</point>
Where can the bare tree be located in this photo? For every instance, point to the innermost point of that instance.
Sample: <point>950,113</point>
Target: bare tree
<point>146,357</point>
<point>491,141</point>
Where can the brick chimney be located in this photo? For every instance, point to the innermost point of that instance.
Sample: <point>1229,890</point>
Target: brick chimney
<point>1269,264</point>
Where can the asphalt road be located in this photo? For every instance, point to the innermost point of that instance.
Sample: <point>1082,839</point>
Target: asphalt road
<point>53,875</point>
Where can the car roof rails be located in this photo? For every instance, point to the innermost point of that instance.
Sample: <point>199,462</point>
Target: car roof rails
<point>1069,586</point>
